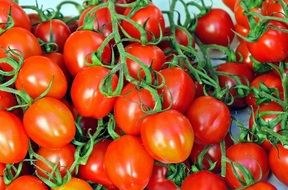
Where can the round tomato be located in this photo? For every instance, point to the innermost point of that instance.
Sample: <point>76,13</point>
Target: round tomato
<point>162,185</point>
<point>240,17</point>
<point>27,182</point>
<point>230,3</point>
<point>7,100</point>
<point>242,31</point>
<point>35,20</point>
<point>261,186</point>
<point>244,55</point>
<point>75,184</point>
<point>273,8</point>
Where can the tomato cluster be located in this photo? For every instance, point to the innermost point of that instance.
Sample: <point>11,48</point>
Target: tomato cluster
<point>120,98</point>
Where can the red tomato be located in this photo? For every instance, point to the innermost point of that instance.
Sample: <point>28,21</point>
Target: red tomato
<point>240,17</point>
<point>86,96</point>
<point>55,31</point>
<point>35,75</point>
<point>75,184</point>
<point>27,182</point>
<point>128,108</point>
<point>162,185</point>
<point>278,159</point>
<point>273,8</point>
<point>152,56</point>
<point>127,163</point>
<point>243,54</point>
<point>49,123</point>
<point>230,3</point>
<point>210,119</point>
<point>2,184</point>
<point>250,155</point>
<point>79,48</point>
<point>167,136</point>
<point>120,9</point>
<point>14,147</point>
<point>261,186</point>
<point>34,19</point>
<point>203,180</point>
<point>94,169</point>
<point>179,90</point>
<point>151,16</point>
<point>216,27</point>
<point>241,30</point>
<point>7,100</point>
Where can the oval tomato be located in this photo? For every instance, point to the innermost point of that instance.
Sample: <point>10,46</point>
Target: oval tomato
<point>261,186</point>
<point>75,184</point>
<point>27,182</point>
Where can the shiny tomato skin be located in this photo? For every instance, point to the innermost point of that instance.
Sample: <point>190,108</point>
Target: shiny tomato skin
<point>261,186</point>
<point>55,31</point>
<point>162,185</point>
<point>243,54</point>
<point>230,3</point>
<point>94,170</point>
<point>7,100</point>
<point>203,180</point>
<point>151,16</point>
<point>86,95</point>
<point>251,156</point>
<point>27,182</point>
<point>15,146</point>
<point>216,27</point>
<point>242,31</point>
<point>273,8</point>
<point>79,47</point>
<point>167,136</point>
<point>35,75</point>
<point>210,119</point>
<point>49,123</point>
<point>128,164</point>
<point>128,111</point>
<point>75,184</point>
<point>179,90</point>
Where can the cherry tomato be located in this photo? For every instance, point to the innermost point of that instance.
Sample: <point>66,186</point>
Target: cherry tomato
<point>127,163</point>
<point>216,27</point>
<point>49,123</point>
<point>75,184</point>
<point>240,16</point>
<point>230,3</point>
<point>210,123</point>
<point>242,31</point>
<point>7,100</point>
<point>27,182</point>
<point>273,8</point>
<point>244,55</point>
<point>261,186</point>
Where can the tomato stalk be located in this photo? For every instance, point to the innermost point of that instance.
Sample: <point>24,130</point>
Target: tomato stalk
<point>12,172</point>
<point>10,22</point>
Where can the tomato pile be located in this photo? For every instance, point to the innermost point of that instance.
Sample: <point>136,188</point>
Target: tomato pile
<point>126,96</point>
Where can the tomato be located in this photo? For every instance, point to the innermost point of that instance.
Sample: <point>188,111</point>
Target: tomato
<point>20,18</point>
<point>162,185</point>
<point>2,184</point>
<point>240,16</point>
<point>75,184</point>
<point>127,163</point>
<point>49,123</point>
<point>261,186</point>
<point>179,90</point>
<point>55,31</point>
<point>273,8</point>
<point>7,100</point>
<point>278,160</point>
<point>250,155</point>
<point>210,119</point>
<point>88,124</point>
<point>15,146</point>
<point>216,27</point>
<point>272,41</point>
<point>35,20</point>
<point>27,182</point>
<point>35,75</point>
<point>120,9</point>
<point>79,48</point>
<point>152,56</point>
<point>243,72</point>
<point>86,95</point>
<point>150,16</point>
<point>94,170</point>
<point>128,109</point>
<point>244,55</point>
<point>230,3</point>
<point>242,31</point>
<point>203,180</point>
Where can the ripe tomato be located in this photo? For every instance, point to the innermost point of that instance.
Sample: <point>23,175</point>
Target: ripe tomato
<point>2,184</point>
<point>34,19</point>
<point>167,136</point>
<point>35,75</point>
<point>216,27</point>
<point>86,96</point>
<point>14,147</point>
<point>27,182</point>
<point>203,180</point>
<point>7,100</point>
<point>49,123</point>
<point>261,186</point>
<point>75,184</point>
<point>152,56</point>
<point>230,3</point>
<point>162,185</point>
<point>127,163</point>
<point>128,109</point>
<point>55,31</point>
<point>79,48</point>
<point>250,155</point>
<point>94,169</point>
<point>243,53</point>
<point>150,16</point>
<point>179,90</point>
<point>210,119</point>
<point>240,17</point>
<point>241,30</point>
<point>273,8</point>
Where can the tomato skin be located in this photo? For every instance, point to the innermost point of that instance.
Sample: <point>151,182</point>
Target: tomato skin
<point>162,185</point>
<point>78,49</point>
<point>251,156</point>
<point>241,30</point>
<point>210,119</point>
<point>86,95</point>
<point>49,123</point>
<point>179,90</point>
<point>273,8</point>
<point>230,3</point>
<point>94,170</point>
<point>2,184</point>
<point>203,180</point>
<point>127,163</point>
<point>27,182</point>
<point>151,16</point>
<point>216,27</point>
<point>128,111</point>
<point>7,100</point>
<point>244,54</point>
<point>278,160</point>
<point>15,146</point>
<point>75,184</point>
<point>55,31</point>
<point>167,136</point>
<point>42,70</point>
<point>261,186</point>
